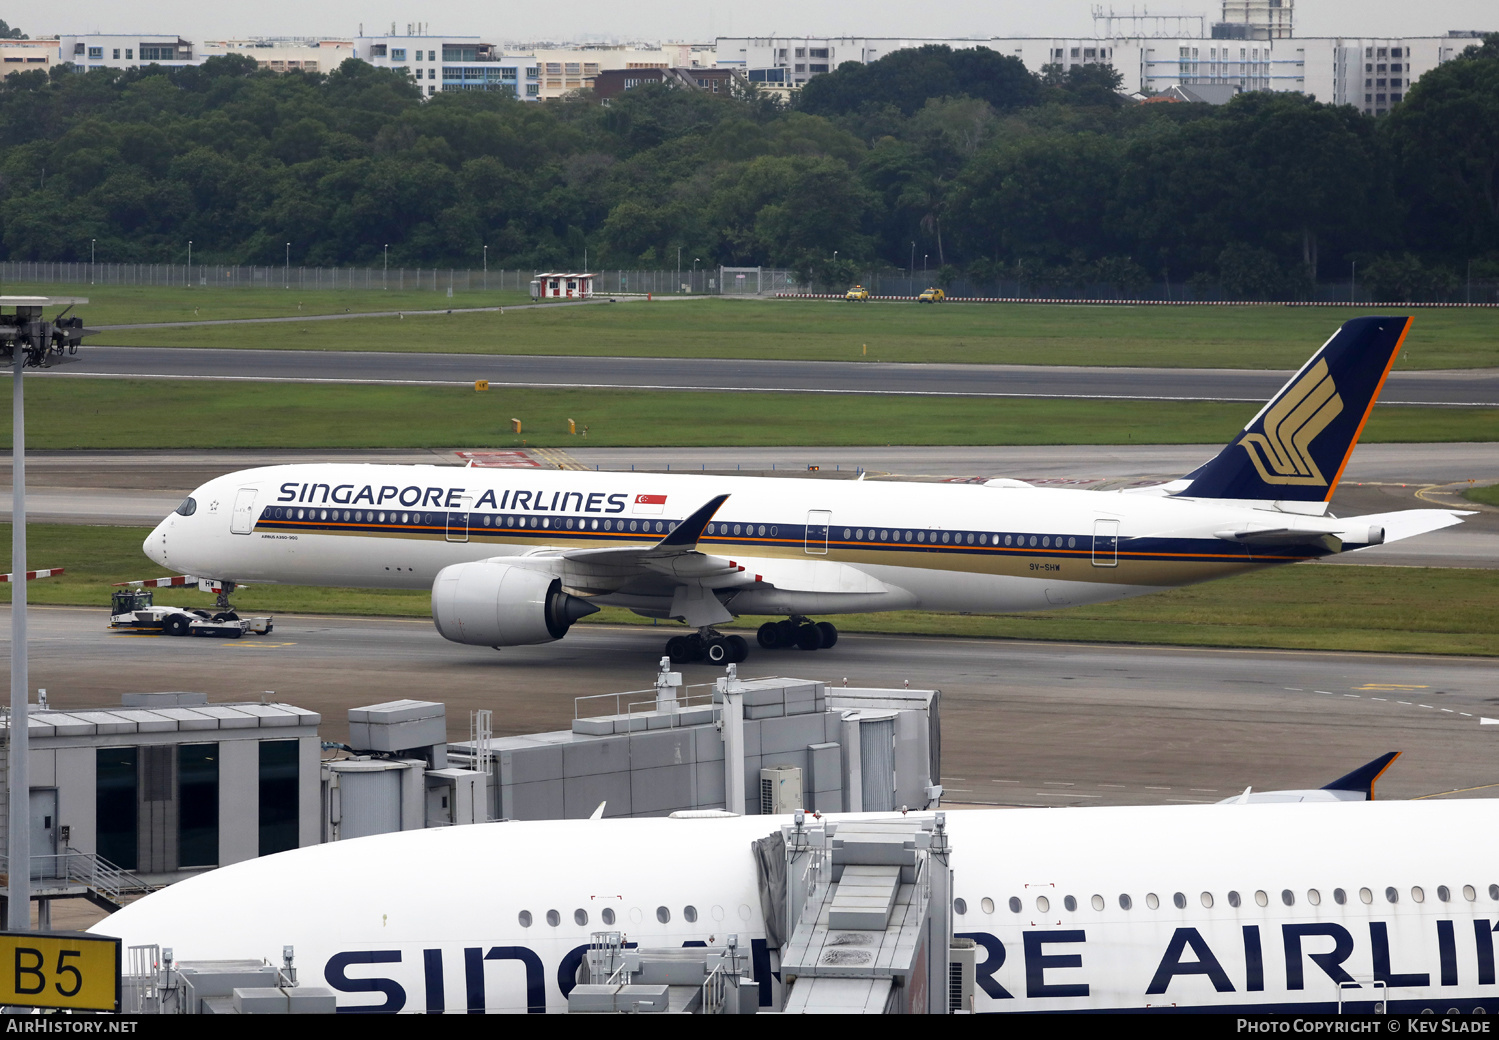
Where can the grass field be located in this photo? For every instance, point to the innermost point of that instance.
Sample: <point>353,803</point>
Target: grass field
<point>1308,606</point>
<point>135,304</point>
<point>66,412</point>
<point>1172,337</point>
<point>1487,495</point>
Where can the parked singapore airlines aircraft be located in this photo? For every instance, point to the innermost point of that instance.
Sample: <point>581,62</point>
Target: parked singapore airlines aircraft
<point>515,558</point>
<point>1268,907</point>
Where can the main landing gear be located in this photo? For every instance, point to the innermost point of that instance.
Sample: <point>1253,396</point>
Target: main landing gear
<point>707,645</point>
<point>799,632</point>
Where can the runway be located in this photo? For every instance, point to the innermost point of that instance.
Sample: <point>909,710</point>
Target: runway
<point>1024,723</point>
<point>1444,388</point>
<point>131,487</point>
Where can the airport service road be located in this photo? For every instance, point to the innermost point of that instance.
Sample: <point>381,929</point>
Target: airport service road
<point>128,487</point>
<point>1478,387</point>
<point>1024,723</point>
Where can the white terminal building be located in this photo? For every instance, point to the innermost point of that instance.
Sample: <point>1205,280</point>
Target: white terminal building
<point>1252,48</point>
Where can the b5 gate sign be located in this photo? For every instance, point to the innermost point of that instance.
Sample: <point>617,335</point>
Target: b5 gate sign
<point>51,970</point>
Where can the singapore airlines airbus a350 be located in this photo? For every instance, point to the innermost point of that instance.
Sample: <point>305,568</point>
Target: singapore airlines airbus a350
<point>515,558</point>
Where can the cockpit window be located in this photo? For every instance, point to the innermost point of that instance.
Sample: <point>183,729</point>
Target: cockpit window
<point>188,507</point>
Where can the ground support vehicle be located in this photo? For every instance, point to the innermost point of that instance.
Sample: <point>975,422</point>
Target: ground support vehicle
<point>132,609</point>
<point>933,295</point>
<point>858,292</point>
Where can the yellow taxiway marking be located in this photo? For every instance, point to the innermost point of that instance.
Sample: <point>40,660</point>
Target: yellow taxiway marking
<point>557,457</point>
<point>237,645</point>
<point>1460,790</point>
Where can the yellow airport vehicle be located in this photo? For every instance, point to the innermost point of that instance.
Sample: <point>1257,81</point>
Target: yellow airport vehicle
<point>858,292</point>
<point>933,295</point>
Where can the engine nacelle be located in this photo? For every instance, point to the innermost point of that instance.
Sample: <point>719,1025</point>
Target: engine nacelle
<point>493,603</point>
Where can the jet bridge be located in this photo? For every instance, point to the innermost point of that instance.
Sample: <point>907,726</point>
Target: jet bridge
<point>859,911</point>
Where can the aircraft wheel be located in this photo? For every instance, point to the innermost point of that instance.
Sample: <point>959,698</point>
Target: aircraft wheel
<point>176,625</point>
<point>808,638</point>
<point>738,648</point>
<point>717,651</point>
<point>787,632</point>
<point>679,650</point>
<point>828,632</point>
<point>769,636</point>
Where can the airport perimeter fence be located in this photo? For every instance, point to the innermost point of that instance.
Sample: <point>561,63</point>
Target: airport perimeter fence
<point>726,281</point>
<point>703,280</point>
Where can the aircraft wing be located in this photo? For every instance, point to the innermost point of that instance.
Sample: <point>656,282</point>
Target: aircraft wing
<point>675,569</point>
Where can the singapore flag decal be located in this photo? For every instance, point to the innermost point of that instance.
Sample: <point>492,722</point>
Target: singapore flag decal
<point>651,504</point>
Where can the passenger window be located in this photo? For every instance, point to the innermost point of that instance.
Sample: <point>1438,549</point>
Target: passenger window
<point>663,914</point>
<point>1365,895</point>
<point>1125,902</point>
<point>1179,900</point>
<point>1392,895</point>
<point>1444,893</point>
<point>960,906</point>
<point>987,905</point>
<point>554,918</point>
<point>1418,894</point>
<point>1339,896</point>
<point>1070,902</point>
<point>525,918</point>
<point>580,917</point>
<point>1260,898</point>
<point>1043,904</point>
<point>1469,893</point>
<point>1207,900</point>
<point>1152,901</point>
<point>1314,897</point>
<point>690,913</point>
<point>1097,902</point>
<point>1234,900</point>
<point>1014,904</point>
<point>608,915</point>
<point>1288,897</point>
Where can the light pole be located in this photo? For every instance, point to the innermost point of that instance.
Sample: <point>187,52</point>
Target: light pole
<point>1352,282</point>
<point>286,275</point>
<point>92,241</point>
<point>923,265</point>
<point>486,267</point>
<point>188,275</point>
<point>385,276</point>
<point>34,338</point>
<point>694,275</point>
<point>679,269</point>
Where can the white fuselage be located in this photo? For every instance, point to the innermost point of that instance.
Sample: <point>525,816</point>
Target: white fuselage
<point>1270,906</point>
<point>942,547</point>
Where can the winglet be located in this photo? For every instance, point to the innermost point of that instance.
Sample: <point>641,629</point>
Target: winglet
<point>1362,778</point>
<point>686,534</point>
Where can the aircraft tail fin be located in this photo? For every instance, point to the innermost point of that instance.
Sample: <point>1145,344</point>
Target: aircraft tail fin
<point>1295,449</point>
<point>1362,779</point>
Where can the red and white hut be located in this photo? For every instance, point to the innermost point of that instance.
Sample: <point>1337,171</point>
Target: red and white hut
<point>569,286</point>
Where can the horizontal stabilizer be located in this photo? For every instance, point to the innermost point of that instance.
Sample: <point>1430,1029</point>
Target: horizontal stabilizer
<point>1407,523</point>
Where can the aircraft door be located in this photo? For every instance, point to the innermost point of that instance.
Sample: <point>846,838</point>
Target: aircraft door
<point>458,520</point>
<point>1106,543</point>
<point>243,519</point>
<point>44,832</point>
<point>818,521</point>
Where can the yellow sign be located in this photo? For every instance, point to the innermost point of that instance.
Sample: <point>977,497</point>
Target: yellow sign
<point>48,969</point>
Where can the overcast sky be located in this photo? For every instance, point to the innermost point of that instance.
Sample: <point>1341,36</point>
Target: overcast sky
<point>685,20</point>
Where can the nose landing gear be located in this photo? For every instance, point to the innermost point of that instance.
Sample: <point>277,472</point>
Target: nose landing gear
<point>799,632</point>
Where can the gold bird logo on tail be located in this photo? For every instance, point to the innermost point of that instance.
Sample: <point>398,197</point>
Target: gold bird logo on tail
<point>1282,454</point>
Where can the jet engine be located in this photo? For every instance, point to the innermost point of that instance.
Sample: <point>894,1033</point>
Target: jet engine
<point>493,603</point>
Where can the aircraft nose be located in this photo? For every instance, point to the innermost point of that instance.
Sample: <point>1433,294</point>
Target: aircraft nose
<point>155,545</point>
